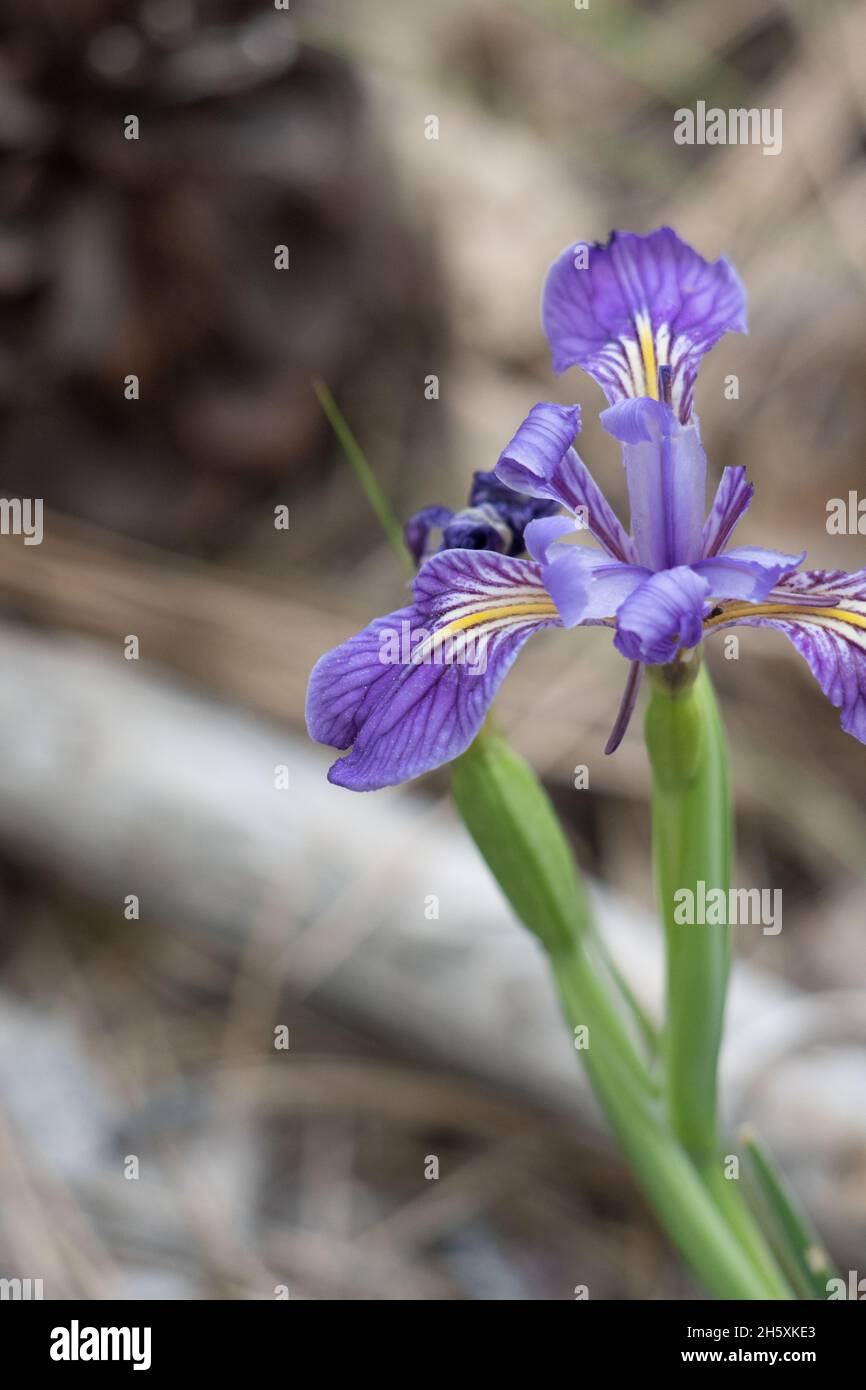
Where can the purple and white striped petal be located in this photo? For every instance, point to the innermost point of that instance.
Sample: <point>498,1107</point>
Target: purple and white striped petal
<point>748,572</point>
<point>666,472</point>
<point>540,461</point>
<point>623,310</point>
<point>348,681</point>
<point>411,691</point>
<point>731,501</point>
<point>823,613</point>
<point>662,616</point>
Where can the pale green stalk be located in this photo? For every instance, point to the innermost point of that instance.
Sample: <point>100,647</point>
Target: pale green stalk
<point>692,832</point>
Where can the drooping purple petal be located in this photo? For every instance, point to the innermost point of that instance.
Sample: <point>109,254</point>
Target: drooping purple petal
<point>531,461</point>
<point>662,616</point>
<point>749,572</point>
<point>731,501</point>
<point>411,691</point>
<point>666,472</point>
<point>421,527</point>
<point>626,708</point>
<point>347,682</point>
<point>539,460</point>
<point>832,639</point>
<point>622,310</point>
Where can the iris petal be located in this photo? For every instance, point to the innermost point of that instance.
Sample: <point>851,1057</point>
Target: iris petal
<point>662,616</point>
<point>748,572</point>
<point>540,461</point>
<point>666,472</point>
<point>730,503</point>
<point>540,535</point>
<point>420,527</point>
<point>589,587</point>
<point>410,691</point>
<point>622,310</point>
<point>832,639</point>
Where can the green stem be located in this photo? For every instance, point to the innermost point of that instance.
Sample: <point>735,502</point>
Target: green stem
<point>516,829</point>
<point>644,1026</point>
<point>692,833</point>
<point>687,1210</point>
<point>691,823</point>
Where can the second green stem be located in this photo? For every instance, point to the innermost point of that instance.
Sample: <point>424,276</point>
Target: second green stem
<point>692,834</point>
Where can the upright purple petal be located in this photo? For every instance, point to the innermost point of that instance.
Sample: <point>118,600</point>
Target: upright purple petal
<point>666,472</point>
<point>623,310</point>
<point>411,691</point>
<point>539,460</point>
<point>662,616</point>
<point>748,573</point>
<point>731,501</point>
<point>832,638</point>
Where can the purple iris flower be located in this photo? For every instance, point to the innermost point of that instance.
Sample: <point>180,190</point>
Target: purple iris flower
<point>411,690</point>
<point>495,519</point>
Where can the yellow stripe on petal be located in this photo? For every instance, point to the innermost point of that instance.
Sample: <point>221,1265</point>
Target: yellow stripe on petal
<point>786,610</point>
<point>540,608</point>
<point>648,353</point>
<point>484,617</point>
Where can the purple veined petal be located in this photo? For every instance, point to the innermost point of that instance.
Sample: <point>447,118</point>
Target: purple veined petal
<point>832,638</point>
<point>539,460</point>
<point>532,460</point>
<point>731,502</point>
<point>662,616</point>
<point>622,310</point>
<point>346,682</point>
<point>666,472</point>
<point>587,586</point>
<point>749,572</point>
<point>411,691</point>
<point>793,599</point>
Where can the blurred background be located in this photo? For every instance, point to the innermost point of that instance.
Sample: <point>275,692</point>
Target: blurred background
<point>233,1038</point>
